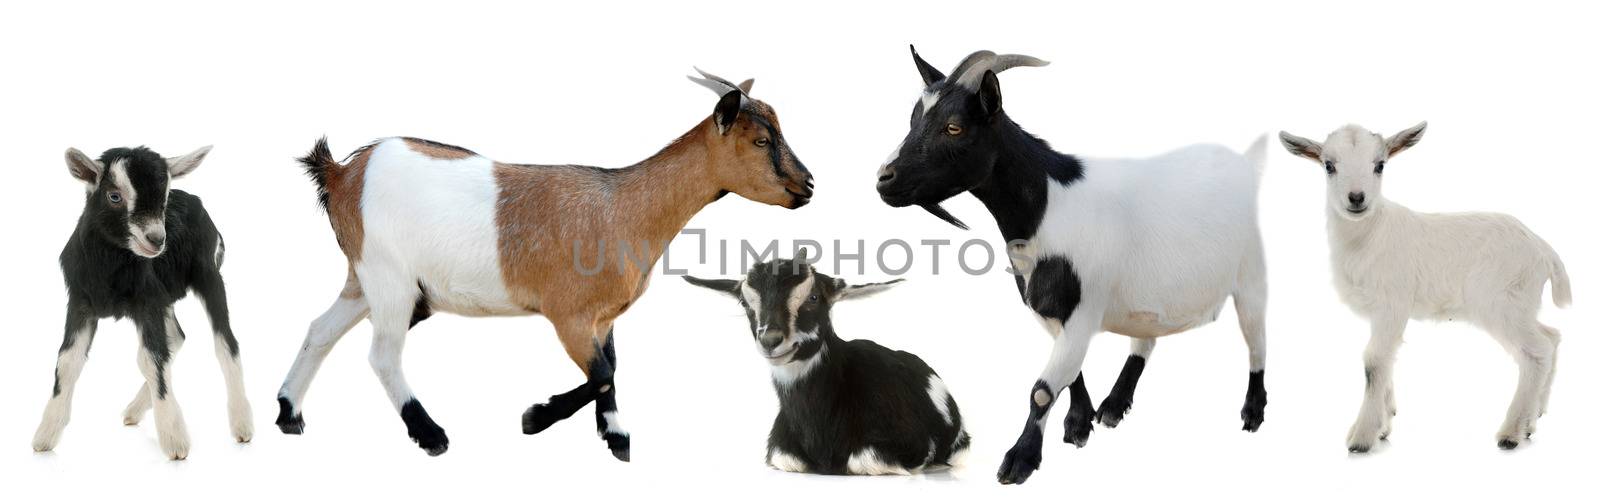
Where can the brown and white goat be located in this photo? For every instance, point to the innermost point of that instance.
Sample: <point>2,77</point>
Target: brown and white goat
<point>431,227</point>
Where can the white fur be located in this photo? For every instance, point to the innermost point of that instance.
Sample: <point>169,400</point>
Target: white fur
<point>1158,244</point>
<point>867,462</point>
<point>940,395</point>
<point>1392,264</point>
<point>929,100</point>
<point>613,424</point>
<point>239,416</point>
<point>785,462</point>
<point>787,374</point>
<point>69,365</point>
<point>171,431</point>
<point>320,338</point>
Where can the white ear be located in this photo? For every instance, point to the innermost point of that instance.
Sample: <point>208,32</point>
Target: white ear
<point>864,290</point>
<point>1302,147</point>
<point>1405,139</point>
<point>83,167</point>
<point>183,165</point>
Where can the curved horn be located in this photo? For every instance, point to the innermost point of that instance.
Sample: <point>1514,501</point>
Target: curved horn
<point>717,85</point>
<point>970,72</point>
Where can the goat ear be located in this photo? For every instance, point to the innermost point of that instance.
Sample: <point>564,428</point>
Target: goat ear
<point>727,111</point>
<point>1405,139</point>
<point>863,290</point>
<point>729,287</point>
<point>930,74</point>
<point>183,165</point>
<point>1302,147</point>
<point>83,167</point>
<point>989,94</point>
<point>746,85</point>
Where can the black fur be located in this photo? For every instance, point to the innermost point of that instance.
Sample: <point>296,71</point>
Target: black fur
<point>106,279</point>
<point>319,165</point>
<point>422,429</point>
<point>1255,402</point>
<point>1025,456</point>
<point>1117,403</point>
<point>288,421</point>
<point>1080,414</point>
<point>857,394</point>
<point>601,387</point>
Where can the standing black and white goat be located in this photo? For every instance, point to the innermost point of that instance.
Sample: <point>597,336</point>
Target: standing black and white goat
<point>1392,264</point>
<point>845,407</point>
<point>1139,247</point>
<point>139,248</point>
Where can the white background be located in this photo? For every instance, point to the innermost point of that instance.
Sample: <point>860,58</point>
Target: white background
<point>1508,91</point>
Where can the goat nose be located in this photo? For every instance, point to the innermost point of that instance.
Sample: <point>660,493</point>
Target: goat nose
<point>885,174</point>
<point>1356,198</point>
<point>156,240</point>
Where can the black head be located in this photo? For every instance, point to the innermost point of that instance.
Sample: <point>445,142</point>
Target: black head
<point>954,139</point>
<point>127,200</point>
<point>787,303</point>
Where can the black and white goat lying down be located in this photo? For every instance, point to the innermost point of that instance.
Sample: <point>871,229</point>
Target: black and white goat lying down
<point>139,248</point>
<point>845,407</point>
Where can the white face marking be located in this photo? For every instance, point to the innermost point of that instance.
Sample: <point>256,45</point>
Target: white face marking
<point>894,154</point>
<point>784,461</point>
<point>753,300</point>
<point>798,297</point>
<point>940,397</point>
<point>929,100</point>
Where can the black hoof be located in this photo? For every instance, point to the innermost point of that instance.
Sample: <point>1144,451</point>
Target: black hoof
<point>434,447</point>
<point>1255,403</point>
<point>427,434</point>
<point>1508,444</point>
<point>619,445</point>
<point>538,418</point>
<point>1020,463</point>
<point>1253,419</point>
<point>1112,410</point>
<point>288,421</point>
<point>1079,425</point>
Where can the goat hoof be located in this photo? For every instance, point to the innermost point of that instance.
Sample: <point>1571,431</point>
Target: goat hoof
<point>1508,444</point>
<point>1253,423</point>
<point>435,443</point>
<point>537,418</point>
<point>1019,465</point>
<point>1079,425</point>
<point>1360,448</point>
<point>1112,410</point>
<point>288,421</point>
<point>619,445</point>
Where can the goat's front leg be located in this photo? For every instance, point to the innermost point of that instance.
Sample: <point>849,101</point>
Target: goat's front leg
<point>215,298</point>
<point>577,333</point>
<point>1066,362</point>
<point>160,338</point>
<point>1372,423</point>
<point>606,420</point>
<point>69,365</point>
<point>1120,400</point>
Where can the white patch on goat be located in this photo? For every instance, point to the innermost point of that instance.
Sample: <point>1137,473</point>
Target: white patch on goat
<point>797,298</point>
<point>752,299</point>
<point>958,457</point>
<point>940,397</point>
<point>782,461</point>
<point>787,374</point>
<point>867,462</point>
<point>613,424</point>
<point>433,220</point>
<point>894,154</point>
<point>239,417</point>
<point>69,365</point>
<point>929,100</point>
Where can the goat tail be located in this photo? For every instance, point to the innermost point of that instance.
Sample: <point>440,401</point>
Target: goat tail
<point>320,165</point>
<point>1257,154</point>
<point>1560,285</point>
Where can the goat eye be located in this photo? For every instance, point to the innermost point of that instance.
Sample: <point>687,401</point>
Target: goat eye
<point>952,129</point>
<point>813,297</point>
<point>761,142</point>
<point>1379,167</point>
<point>1329,166</point>
<point>115,197</point>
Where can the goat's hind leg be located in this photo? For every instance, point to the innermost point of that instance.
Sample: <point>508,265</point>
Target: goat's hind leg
<point>1555,350</point>
<point>399,306</point>
<point>1535,356</point>
<point>324,333</point>
<point>1250,303</point>
<point>1120,400</point>
<point>214,296</point>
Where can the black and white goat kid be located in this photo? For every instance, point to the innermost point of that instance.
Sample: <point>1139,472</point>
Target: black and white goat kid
<point>1139,247</point>
<point>138,248</point>
<point>845,407</point>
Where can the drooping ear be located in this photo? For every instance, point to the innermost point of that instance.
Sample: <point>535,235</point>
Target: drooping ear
<point>930,74</point>
<point>1302,147</point>
<point>746,85</point>
<point>727,111</point>
<point>729,287</point>
<point>183,165</point>
<point>83,167</point>
<point>843,291</point>
<point>989,94</point>
<point>1405,139</point>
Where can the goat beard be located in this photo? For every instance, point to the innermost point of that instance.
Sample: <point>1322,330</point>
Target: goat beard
<point>942,214</point>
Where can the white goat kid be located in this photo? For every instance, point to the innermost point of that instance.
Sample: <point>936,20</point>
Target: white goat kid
<point>1392,264</point>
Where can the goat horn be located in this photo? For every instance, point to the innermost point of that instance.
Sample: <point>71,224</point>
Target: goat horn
<point>970,72</point>
<point>717,85</point>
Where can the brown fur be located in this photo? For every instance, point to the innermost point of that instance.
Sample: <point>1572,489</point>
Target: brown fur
<point>344,202</point>
<point>437,150</point>
<point>546,213</point>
